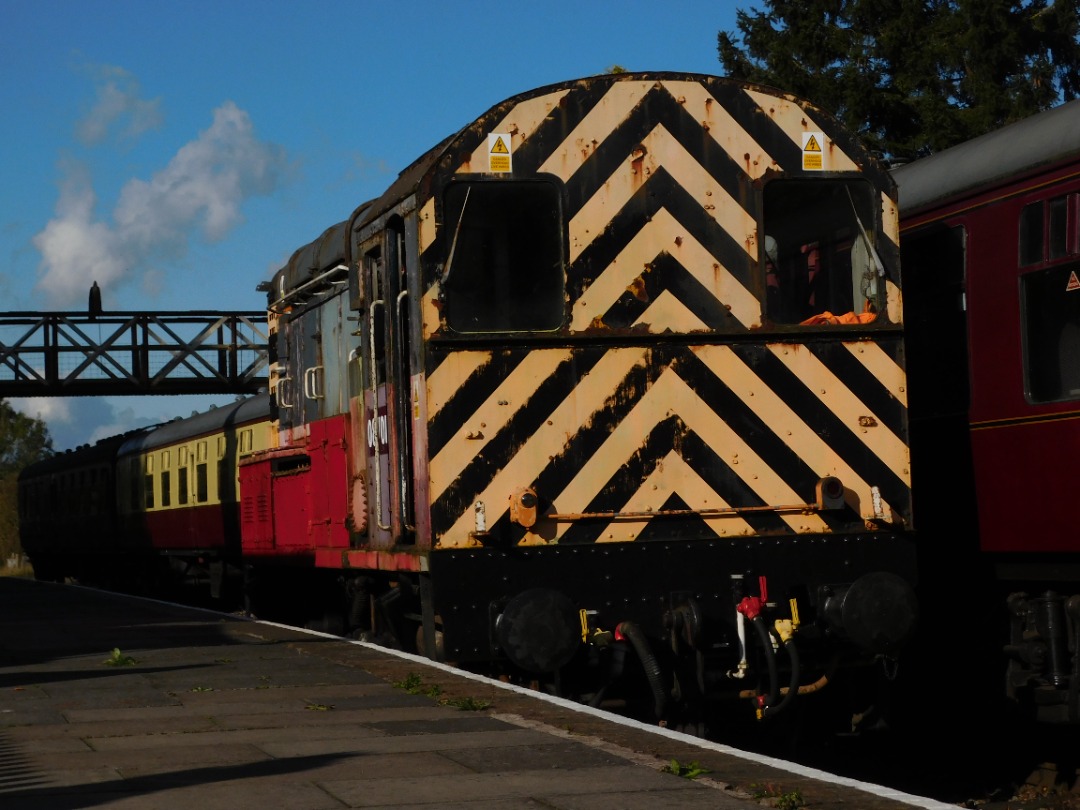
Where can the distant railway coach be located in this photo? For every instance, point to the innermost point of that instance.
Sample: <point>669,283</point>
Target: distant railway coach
<point>991,245</point>
<point>606,390</point>
<point>130,507</point>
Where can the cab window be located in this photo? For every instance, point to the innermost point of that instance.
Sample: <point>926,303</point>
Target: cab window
<point>818,253</point>
<point>503,268</point>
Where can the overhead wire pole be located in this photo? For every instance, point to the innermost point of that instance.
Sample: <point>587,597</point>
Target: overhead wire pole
<point>136,353</point>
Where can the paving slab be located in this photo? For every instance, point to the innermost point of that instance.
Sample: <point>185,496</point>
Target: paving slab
<point>110,701</point>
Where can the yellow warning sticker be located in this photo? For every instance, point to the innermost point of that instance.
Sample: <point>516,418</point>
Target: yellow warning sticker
<point>812,154</point>
<point>1074,283</point>
<point>499,156</point>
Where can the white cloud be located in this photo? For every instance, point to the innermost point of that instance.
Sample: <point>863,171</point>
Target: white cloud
<point>118,103</point>
<point>75,249</point>
<point>51,410</point>
<point>200,192</point>
<point>75,421</point>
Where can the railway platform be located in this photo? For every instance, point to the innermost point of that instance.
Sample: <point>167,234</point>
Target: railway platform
<point>112,701</point>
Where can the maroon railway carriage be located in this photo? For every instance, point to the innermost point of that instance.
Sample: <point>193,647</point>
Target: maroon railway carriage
<point>67,514</point>
<point>991,251</point>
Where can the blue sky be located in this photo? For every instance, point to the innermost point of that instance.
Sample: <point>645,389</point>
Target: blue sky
<point>179,153</point>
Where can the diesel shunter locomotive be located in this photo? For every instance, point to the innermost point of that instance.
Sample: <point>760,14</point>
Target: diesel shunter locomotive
<point>606,390</point>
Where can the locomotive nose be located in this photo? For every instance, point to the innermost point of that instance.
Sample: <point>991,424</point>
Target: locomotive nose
<point>877,611</point>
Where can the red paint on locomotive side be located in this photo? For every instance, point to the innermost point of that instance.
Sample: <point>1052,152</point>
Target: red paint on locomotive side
<point>296,499</point>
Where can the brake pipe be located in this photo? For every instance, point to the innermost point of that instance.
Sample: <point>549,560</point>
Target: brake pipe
<point>785,631</point>
<point>629,631</point>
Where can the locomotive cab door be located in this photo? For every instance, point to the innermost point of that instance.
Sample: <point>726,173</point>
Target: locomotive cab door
<point>386,378</point>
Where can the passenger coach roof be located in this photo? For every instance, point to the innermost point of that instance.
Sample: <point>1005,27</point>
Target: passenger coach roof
<point>1040,140</point>
<point>201,424</point>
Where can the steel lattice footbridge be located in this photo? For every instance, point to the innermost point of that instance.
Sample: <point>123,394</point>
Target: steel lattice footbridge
<point>134,353</point>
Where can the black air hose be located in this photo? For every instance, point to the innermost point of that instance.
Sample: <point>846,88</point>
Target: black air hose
<point>793,684</point>
<point>632,633</point>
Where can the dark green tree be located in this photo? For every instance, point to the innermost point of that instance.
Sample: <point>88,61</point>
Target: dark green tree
<point>23,440</point>
<point>912,77</point>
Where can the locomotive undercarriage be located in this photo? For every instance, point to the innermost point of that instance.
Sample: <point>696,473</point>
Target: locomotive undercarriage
<point>762,624</point>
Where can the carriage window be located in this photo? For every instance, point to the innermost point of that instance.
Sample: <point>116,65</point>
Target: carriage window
<point>202,489</point>
<point>1031,234</point>
<point>1051,322</point>
<point>226,481</point>
<point>820,260</point>
<point>1048,230</point>
<point>503,269</point>
<point>1057,240</point>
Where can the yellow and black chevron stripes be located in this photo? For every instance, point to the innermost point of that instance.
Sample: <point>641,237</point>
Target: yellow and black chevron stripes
<point>660,178</point>
<point>662,402</point>
<point>668,429</point>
